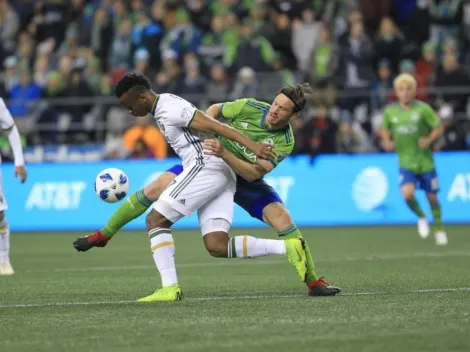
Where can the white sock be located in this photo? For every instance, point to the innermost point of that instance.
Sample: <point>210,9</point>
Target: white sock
<point>252,247</point>
<point>4,241</point>
<point>163,249</point>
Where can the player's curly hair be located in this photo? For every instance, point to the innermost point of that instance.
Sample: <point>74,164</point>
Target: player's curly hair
<point>131,81</point>
<point>297,93</point>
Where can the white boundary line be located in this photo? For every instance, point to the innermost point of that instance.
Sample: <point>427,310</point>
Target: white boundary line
<point>228,298</point>
<point>221,262</point>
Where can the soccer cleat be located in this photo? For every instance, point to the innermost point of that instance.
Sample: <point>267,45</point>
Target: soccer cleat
<point>441,238</point>
<point>97,239</point>
<point>295,251</point>
<point>319,287</point>
<point>6,269</point>
<point>423,228</point>
<point>164,294</point>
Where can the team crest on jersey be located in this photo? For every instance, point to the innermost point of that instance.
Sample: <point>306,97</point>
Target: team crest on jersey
<point>244,125</point>
<point>415,117</point>
<point>268,141</point>
<point>394,119</point>
<point>187,114</point>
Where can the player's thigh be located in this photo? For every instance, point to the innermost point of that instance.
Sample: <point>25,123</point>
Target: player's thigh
<point>192,189</point>
<point>3,201</point>
<point>407,183</point>
<point>153,190</point>
<point>217,214</point>
<point>253,197</point>
<point>276,215</point>
<point>429,182</point>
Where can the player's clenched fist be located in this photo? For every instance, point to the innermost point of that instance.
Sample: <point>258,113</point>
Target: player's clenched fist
<point>263,151</point>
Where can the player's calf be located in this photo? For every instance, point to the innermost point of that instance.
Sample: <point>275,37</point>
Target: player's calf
<point>5,266</point>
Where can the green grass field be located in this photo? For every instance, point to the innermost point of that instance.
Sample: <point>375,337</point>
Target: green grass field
<point>400,293</point>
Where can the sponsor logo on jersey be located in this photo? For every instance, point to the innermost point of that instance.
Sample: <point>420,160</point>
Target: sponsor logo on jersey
<point>415,117</point>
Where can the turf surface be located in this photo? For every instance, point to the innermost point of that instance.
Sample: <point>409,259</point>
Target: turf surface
<point>400,293</point>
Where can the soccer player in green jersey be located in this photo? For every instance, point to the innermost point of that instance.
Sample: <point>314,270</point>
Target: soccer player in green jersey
<point>410,127</point>
<point>263,123</point>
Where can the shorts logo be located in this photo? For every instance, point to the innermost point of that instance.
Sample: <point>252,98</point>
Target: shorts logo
<point>182,201</point>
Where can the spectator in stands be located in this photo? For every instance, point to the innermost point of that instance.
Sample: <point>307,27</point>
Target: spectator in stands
<point>454,137</point>
<point>352,139</point>
<point>49,21</point>
<point>214,42</point>
<point>93,74</point>
<point>426,67</point>
<point>9,26</point>
<point>41,70</point>
<point>141,150</point>
<point>257,15</point>
<point>25,53</point>
<point>245,84</point>
<point>217,87</point>
<point>453,84</point>
<point>251,50</point>
<point>389,43</point>
<point>446,19</point>
<point>200,14</point>
<point>382,89</point>
<point>142,62</point>
<point>101,31</point>
<point>23,95</point>
<point>147,34</point>
<point>309,28</point>
<point>193,83</point>
<point>323,67</point>
<point>320,133</point>
<point>121,50</point>
<point>10,77</point>
<point>145,131</point>
<point>279,35</point>
<point>357,69</point>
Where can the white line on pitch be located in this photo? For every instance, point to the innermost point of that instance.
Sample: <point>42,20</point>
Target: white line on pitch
<point>216,262</point>
<point>230,298</point>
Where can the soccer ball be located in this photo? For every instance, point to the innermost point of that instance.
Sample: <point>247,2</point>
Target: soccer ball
<point>111,185</point>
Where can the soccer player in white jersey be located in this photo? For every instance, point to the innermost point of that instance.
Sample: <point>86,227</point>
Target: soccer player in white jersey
<point>207,185</point>
<point>7,126</point>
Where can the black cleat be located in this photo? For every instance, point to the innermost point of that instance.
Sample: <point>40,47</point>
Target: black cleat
<point>321,288</point>
<point>97,239</point>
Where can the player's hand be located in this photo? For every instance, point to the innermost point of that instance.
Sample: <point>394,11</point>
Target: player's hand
<point>388,146</point>
<point>20,172</point>
<point>214,147</point>
<point>424,142</point>
<point>264,151</point>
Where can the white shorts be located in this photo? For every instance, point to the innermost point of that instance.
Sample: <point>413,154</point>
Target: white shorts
<point>3,201</point>
<point>208,188</point>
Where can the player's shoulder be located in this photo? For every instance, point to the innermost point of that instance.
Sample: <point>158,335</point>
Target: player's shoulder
<point>423,105</point>
<point>257,104</point>
<point>392,107</point>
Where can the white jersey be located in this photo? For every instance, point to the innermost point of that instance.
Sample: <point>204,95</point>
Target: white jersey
<point>173,115</point>
<point>6,120</point>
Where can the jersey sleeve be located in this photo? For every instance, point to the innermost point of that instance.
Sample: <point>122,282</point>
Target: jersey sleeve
<point>386,122</point>
<point>6,120</point>
<point>232,109</point>
<point>431,118</point>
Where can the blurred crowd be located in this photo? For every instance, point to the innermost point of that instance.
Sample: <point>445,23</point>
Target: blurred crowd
<point>62,58</point>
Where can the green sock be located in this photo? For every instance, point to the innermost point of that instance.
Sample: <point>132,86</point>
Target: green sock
<point>132,208</point>
<point>415,208</point>
<point>437,216</point>
<point>293,232</point>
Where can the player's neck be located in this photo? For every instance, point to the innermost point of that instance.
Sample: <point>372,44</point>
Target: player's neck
<point>406,106</point>
<point>154,105</point>
<point>275,127</point>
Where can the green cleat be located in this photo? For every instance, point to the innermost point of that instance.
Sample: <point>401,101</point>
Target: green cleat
<point>164,294</point>
<point>295,251</point>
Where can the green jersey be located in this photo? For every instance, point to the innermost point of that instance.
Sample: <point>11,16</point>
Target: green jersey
<point>408,127</point>
<point>248,117</point>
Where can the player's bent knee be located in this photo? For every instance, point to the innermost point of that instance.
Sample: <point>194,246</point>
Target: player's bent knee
<point>156,187</point>
<point>154,219</point>
<point>217,244</point>
<point>277,216</point>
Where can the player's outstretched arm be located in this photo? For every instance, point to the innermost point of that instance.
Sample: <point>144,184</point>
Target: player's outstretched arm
<point>250,172</point>
<point>205,123</point>
<point>7,124</point>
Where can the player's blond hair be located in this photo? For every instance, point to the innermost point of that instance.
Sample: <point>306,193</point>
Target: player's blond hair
<point>405,78</point>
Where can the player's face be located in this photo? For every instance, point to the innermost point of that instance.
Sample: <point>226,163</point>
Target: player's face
<point>137,106</point>
<point>281,111</point>
<point>405,92</point>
